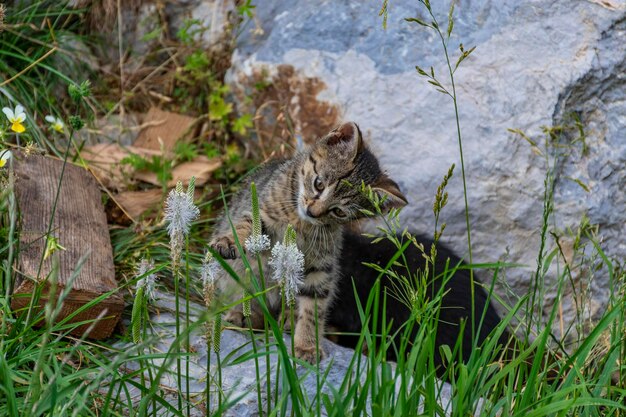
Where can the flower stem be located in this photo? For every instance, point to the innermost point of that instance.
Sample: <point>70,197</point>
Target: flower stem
<point>460,142</point>
<point>175,272</point>
<point>187,334</point>
<point>247,315</point>
<point>209,332</point>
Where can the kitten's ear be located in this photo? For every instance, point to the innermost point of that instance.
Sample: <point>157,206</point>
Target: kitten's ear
<point>345,138</point>
<point>388,188</point>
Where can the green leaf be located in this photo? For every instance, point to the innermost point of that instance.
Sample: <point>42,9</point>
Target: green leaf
<point>151,35</point>
<point>582,184</point>
<point>464,55</point>
<point>197,61</point>
<point>384,13</point>
<point>186,151</point>
<point>189,30</point>
<point>246,9</point>
<point>218,108</point>
<point>450,20</point>
<point>242,124</point>
<point>421,71</point>
<point>416,20</point>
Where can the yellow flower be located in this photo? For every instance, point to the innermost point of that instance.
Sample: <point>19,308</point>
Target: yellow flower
<point>16,117</point>
<point>55,123</point>
<point>5,155</point>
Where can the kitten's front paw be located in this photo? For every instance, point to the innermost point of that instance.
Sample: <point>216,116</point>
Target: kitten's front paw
<point>310,353</point>
<point>225,246</point>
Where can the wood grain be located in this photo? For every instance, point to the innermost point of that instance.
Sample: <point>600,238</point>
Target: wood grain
<point>80,226</point>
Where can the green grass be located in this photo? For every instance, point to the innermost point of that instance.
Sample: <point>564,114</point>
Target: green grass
<point>38,59</point>
<point>44,371</point>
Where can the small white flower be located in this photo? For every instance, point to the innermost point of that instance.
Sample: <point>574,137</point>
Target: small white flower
<point>208,272</point>
<point>257,244</point>
<point>148,282</point>
<point>180,211</point>
<point>288,264</point>
<point>55,123</point>
<point>16,117</point>
<point>5,155</point>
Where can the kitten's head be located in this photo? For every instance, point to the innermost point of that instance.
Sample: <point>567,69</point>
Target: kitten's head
<point>331,176</point>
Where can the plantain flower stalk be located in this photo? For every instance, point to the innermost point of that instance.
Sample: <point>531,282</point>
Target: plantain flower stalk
<point>217,333</point>
<point>287,261</point>
<point>247,309</point>
<point>208,276</point>
<point>180,211</point>
<point>145,291</point>
<point>148,281</point>
<point>257,242</point>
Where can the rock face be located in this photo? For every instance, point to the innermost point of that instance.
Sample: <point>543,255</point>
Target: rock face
<point>238,375</point>
<point>535,64</point>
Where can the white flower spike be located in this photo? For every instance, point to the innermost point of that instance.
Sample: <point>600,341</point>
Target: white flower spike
<point>288,264</point>
<point>5,156</point>
<point>208,274</point>
<point>257,244</point>
<point>180,211</point>
<point>148,282</point>
<point>209,271</point>
<point>16,117</point>
<point>55,123</point>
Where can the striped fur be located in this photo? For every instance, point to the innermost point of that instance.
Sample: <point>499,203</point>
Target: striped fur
<point>318,193</point>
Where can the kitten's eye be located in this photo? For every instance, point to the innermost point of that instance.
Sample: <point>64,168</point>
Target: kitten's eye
<point>318,184</point>
<point>338,212</point>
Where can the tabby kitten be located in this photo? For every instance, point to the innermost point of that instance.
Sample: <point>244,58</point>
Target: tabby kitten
<point>318,193</point>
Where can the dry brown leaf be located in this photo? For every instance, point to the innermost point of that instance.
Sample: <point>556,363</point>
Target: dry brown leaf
<point>164,130</point>
<point>201,168</point>
<point>104,160</point>
<point>137,203</point>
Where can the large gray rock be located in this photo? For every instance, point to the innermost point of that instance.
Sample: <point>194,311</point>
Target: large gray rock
<point>535,64</point>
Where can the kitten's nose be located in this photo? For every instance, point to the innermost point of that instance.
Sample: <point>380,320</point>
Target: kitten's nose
<point>309,213</point>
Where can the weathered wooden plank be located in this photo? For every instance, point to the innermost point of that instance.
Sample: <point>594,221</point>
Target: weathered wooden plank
<point>80,227</point>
